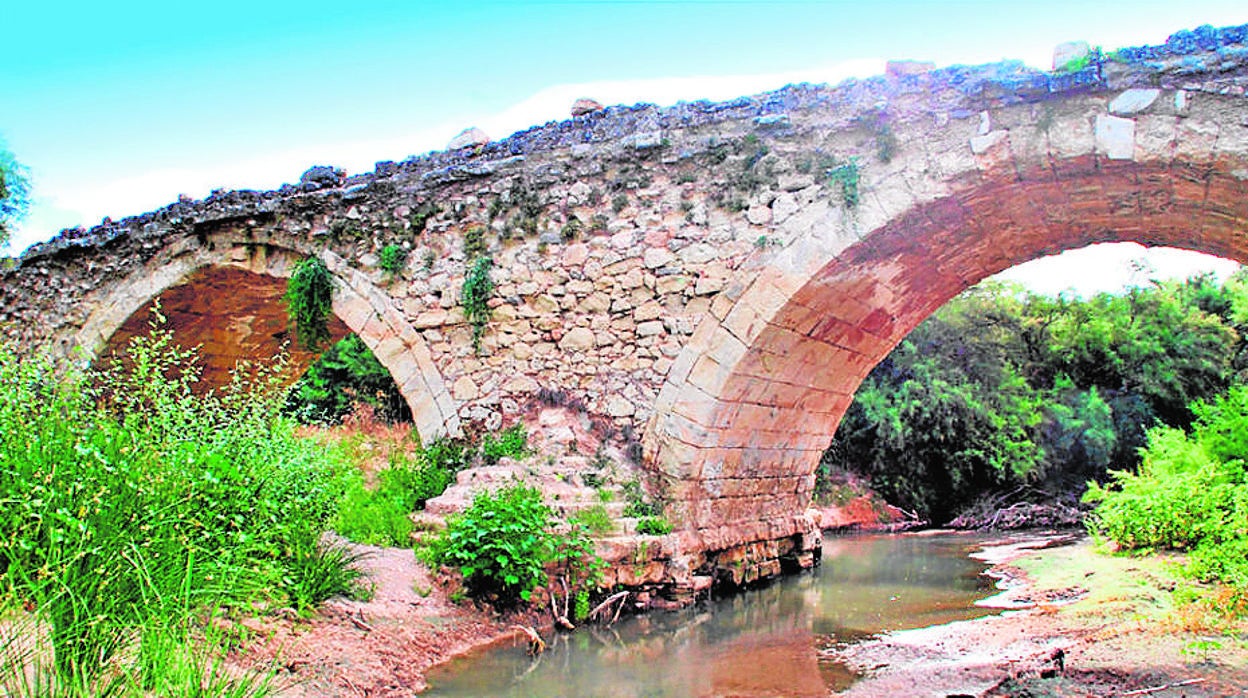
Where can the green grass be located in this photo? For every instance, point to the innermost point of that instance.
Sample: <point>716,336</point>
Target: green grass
<point>595,519</point>
<point>132,504</point>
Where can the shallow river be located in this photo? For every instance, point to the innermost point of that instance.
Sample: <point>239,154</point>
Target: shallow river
<point>763,642</point>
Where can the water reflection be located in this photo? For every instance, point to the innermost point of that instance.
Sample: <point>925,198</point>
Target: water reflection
<point>762,643</point>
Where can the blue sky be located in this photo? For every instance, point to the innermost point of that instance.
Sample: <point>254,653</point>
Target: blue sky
<point>116,108</point>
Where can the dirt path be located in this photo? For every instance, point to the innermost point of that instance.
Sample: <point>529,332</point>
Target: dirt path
<point>379,647</point>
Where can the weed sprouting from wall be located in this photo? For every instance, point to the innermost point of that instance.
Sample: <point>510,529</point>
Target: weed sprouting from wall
<point>478,287</point>
<point>847,176</point>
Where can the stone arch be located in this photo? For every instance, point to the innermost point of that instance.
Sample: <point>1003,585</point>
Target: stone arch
<point>358,303</point>
<point>756,395</point>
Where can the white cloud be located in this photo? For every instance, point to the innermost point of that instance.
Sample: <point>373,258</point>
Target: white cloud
<point>1111,267</point>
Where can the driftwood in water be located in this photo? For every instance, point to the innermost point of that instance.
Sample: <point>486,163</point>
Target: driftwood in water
<point>994,514</point>
<point>536,644</point>
<point>617,598</point>
<point>561,619</point>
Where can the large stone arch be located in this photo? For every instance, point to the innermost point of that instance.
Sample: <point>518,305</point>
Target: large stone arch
<point>364,309</point>
<point>757,393</point>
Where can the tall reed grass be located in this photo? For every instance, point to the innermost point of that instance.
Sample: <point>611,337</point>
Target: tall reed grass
<point>133,510</point>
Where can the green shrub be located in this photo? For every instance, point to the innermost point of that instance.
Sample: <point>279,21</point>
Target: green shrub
<point>373,517</point>
<point>381,516</point>
<point>847,175</point>
<point>571,230</point>
<point>1191,492</point>
<point>638,506</point>
<point>392,258</point>
<point>654,526</point>
<point>512,442</point>
<point>501,544</point>
<point>448,454</point>
<point>416,480</point>
<point>309,299</point>
<point>595,519</point>
<point>346,375</point>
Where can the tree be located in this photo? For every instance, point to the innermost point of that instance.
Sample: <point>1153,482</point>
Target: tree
<point>346,374</point>
<point>1002,388</point>
<point>14,193</point>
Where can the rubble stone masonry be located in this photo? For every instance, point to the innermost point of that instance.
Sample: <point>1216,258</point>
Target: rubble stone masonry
<point>714,279</point>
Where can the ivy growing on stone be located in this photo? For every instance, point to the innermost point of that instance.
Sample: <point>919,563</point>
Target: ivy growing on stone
<point>309,300</point>
<point>478,287</point>
<point>474,242</point>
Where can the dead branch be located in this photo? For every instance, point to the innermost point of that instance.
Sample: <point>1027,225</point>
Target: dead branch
<point>359,622</point>
<point>598,612</point>
<point>536,644</point>
<point>560,619</point>
<point>1155,689</point>
<point>567,598</point>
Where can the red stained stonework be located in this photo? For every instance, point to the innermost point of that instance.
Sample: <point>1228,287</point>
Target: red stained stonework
<point>231,316</point>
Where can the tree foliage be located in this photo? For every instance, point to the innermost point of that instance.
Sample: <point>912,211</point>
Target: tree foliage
<point>14,193</point>
<point>1001,389</point>
<point>345,375</point>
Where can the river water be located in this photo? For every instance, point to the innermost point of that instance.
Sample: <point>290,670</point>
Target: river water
<point>764,642</point>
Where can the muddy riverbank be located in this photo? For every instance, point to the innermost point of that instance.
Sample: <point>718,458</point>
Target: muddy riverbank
<point>1083,624</point>
<point>1079,623</point>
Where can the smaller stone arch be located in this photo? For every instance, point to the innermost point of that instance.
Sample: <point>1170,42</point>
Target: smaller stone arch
<point>358,303</point>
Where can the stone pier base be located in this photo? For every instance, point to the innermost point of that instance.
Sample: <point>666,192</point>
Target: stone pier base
<point>668,572</point>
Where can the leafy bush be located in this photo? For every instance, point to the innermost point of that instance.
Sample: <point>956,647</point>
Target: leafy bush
<point>392,258</point>
<point>637,505</point>
<point>345,375</point>
<point>512,442</point>
<point>449,454</point>
<point>1191,492</point>
<point>501,544</point>
<point>417,479</point>
<point>381,516</point>
<point>373,517</point>
<point>595,519</point>
<point>654,526</point>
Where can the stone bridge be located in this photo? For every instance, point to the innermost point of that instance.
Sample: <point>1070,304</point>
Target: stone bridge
<point>712,280</point>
